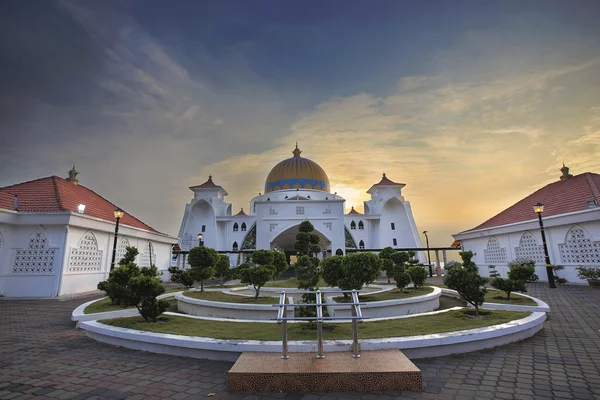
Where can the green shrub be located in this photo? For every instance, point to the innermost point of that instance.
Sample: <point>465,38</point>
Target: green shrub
<point>332,270</point>
<point>493,273</point>
<point>467,281</point>
<point>223,268</point>
<point>418,275</point>
<point>203,261</point>
<point>558,279</point>
<point>307,272</point>
<point>402,278</point>
<point>175,273</point>
<point>591,273</point>
<point>144,290</point>
<point>522,270</point>
<point>508,286</point>
<point>359,269</point>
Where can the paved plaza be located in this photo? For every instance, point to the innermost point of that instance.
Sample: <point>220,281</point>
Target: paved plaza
<point>42,356</point>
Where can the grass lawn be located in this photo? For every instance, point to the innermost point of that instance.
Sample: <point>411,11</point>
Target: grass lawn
<point>440,285</point>
<point>291,283</point>
<point>224,286</point>
<point>497,296</point>
<point>446,322</point>
<point>393,294</point>
<point>105,305</point>
<point>230,298</point>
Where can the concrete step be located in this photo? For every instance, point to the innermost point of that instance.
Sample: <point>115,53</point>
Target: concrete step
<point>381,370</point>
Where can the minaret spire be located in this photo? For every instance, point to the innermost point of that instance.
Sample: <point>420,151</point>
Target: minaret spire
<point>296,151</point>
<point>73,176</point>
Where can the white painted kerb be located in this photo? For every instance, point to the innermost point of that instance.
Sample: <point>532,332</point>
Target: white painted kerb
<point>541,305</point>
<point>414,346</point>
<point>79,315</point>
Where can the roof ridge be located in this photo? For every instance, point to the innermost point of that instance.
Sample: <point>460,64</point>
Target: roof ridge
<point>58,193</point>
<point>23,183</point>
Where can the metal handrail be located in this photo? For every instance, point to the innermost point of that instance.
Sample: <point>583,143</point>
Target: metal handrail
<point>356,318</point>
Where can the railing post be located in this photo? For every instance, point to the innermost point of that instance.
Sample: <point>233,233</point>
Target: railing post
<point>320,354</point>
<point>355,348</point>
<point>284,340</point>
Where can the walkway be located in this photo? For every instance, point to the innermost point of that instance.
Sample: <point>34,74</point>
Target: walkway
<point>43,356</point>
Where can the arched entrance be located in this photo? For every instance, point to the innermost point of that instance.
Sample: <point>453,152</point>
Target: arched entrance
<point>285,242</point>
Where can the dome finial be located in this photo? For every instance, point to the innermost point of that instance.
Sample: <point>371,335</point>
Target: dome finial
<point>296,151</point>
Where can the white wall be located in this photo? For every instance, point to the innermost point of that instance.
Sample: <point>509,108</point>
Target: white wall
<point>556,230</point>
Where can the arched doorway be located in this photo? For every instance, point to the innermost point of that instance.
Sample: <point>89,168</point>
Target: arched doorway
<point>285,242</point>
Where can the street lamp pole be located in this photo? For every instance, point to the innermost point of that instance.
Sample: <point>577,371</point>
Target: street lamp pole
<point>539,209</point>
<point>200,241</point>
<point>428,254</point>
<point>118,215</point>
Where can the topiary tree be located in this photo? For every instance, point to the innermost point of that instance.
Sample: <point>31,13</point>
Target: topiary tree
<point>451,264</point>
<point>467,263</point>
<point>558,279</point>
<point>223,269</point>
<point>175,273</point>
<point>279,262</point>
<point>522,270</point>
<point>467,281</point>
<point>128,285</point>
<point>307,242</point>
<point>402,278</point>
<point>387,255</point>
<point>508,286</point>
<point>203,261</point>
<point>332,270</point>
<point>359,269</point>
<point>261,270</point>
<point>117,284</point>
<point>183,276</point>
<point>307,272</point>
<point>418,275</point>
<point>401,258</point>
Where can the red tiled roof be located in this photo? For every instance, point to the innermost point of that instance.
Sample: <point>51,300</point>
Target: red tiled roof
<point>209,184</point>
<point>7,201</point>
<point>455,244</point>
<point>558,198</point>
<point>241,213</point>
<point>353,211</point>
<point>385,181</point>
<point>55,194</point>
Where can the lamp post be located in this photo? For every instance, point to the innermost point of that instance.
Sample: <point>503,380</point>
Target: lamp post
<point>118,215</point>
<point>428,254</point>
<point>200,241</point>
<point>539,209</point>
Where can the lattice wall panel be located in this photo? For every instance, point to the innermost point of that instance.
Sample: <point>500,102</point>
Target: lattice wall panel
<point>145,256</point>
<point>122,249</point>
<point>86,257</point>
<point>528,248</point>
<point>494,254</point>
<point>37,259</point>
<point>579,249</point>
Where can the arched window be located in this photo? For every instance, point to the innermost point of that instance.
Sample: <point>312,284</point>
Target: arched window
<point>339,252</point>
<point>361,245</point>
<point>352,225</point>
<point>235,227</point>
<point>243,227</point>
<point>235,246</point>
<point>361,226</point>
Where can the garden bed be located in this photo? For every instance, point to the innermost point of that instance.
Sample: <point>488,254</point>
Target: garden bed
<point>455,320</point>
<point>393,294</point>
<point>230,298</point>
<point>291,283</point>
<point>497,296</point>
<point>104,305</point>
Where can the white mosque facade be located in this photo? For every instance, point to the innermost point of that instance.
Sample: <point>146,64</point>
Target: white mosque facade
<point>298,189</point>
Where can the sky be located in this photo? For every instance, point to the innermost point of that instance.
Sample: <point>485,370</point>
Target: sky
<point>473,105</point>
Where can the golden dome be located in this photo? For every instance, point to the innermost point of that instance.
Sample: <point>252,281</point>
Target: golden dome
<point>297,173</point>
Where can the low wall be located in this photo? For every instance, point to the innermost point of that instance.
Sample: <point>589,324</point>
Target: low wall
<point>541,305</point>
<point>414,347</point>
<point>219,309</point>
<point>391,308</point>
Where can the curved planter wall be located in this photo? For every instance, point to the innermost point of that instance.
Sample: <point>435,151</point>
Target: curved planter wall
<point>219,309</point>
<point>541,305</point>
<point>79,315</point>
<point>413,346</point>
<point>392,308</point>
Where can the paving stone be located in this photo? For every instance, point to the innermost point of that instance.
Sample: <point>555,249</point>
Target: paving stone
<point>42,355</point>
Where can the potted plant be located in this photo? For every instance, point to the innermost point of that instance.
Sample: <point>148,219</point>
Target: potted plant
<point>592,274</point>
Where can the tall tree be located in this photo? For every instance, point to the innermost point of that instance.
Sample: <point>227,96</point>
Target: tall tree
<point>307,241</point>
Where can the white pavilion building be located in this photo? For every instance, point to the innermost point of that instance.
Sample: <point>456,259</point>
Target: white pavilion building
<point>298,189</point>
<point>571,220</point>
<point>56,238</point>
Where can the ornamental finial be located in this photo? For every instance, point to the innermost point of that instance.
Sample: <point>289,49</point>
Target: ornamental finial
<point>296,151</point>
<point>384,175</point>
<point>73,176</point>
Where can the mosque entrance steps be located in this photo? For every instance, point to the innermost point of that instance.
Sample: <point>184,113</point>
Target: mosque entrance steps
<point>380,370</point>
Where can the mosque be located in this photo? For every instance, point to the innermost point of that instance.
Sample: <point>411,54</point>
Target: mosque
<point>298,189</point>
